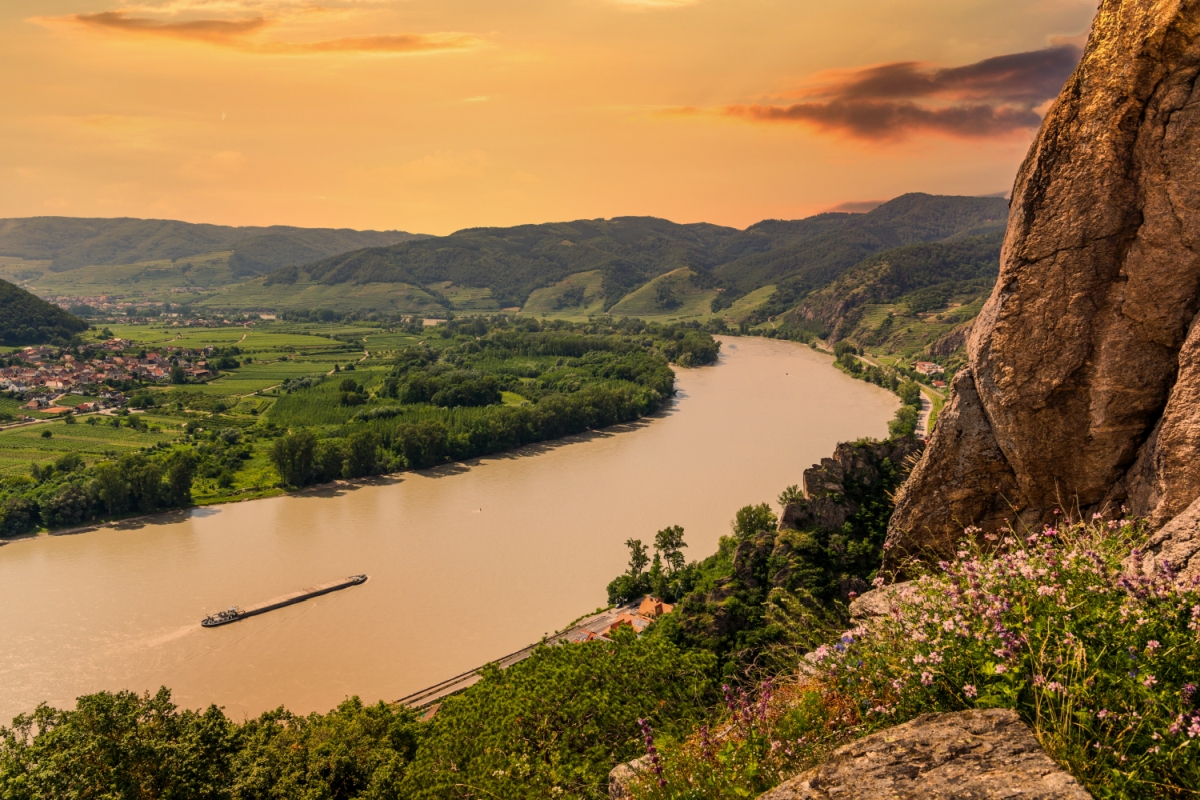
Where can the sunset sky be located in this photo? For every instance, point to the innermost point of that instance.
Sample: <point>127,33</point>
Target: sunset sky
<point>435,115</point>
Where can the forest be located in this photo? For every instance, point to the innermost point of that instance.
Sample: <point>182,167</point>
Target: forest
<point>26,319</point>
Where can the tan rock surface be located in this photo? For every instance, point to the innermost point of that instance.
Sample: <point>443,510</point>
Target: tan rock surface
<point>1075,356</point>
<point>969,755</point>
<point>1178,544</point>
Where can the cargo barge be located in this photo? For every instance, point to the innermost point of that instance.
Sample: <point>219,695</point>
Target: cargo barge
<point>234,614</point>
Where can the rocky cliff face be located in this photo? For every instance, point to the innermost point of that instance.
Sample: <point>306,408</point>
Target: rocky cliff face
<point>1083,385</point>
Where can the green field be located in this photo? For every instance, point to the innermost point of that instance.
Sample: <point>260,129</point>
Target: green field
<point>256,377</point>
<point>21,447</point>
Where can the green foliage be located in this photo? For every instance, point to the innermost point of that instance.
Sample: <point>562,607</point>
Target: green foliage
<point>1097,657</point>
<point>25,319</point>
<point>438,404</point>
<point>125,746</point>
<point>741,602</point>
<point>121,746</point>
<point>904,423</point>
<point>68,493</point>
<point>556,723</point>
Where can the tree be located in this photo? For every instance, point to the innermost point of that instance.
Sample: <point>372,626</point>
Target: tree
<point>910,393</point>
<point>109,486</point>
<point>751,520</point>
<point>292,456</point>
<point>790,495</point>
<point>360,454</point>
<point>638,559</point>
<point>904,423</point>
<point>181,470</point>
<point>669,543</point>
<point>178,375</point>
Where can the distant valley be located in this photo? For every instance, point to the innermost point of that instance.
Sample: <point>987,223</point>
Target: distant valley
<point>906,276</point>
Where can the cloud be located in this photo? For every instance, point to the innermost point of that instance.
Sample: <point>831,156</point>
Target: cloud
<point>994,97</point>
<point>241,34</point>
<point>218,31</point>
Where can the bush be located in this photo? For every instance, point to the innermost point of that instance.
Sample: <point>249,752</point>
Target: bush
<point>555,724</point>
<point>1098,658</point>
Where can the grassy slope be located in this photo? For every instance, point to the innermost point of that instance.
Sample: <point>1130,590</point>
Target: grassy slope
<point>306,294</point>
<point>643,302</point>
<point>543,301</point>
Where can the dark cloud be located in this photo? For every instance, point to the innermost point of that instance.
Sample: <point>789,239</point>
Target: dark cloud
<point>238,33</point>
<point>993,97</point>
<point>209,30</point>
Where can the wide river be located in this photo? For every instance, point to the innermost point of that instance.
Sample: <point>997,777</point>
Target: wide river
<point>467,563</point>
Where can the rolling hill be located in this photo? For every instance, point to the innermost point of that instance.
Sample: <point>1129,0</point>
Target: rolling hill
<point>70,243</point>
<point>797,257</point>
<point>26,319</point>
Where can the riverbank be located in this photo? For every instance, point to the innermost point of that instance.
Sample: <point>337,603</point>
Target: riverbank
<point>467,561</point>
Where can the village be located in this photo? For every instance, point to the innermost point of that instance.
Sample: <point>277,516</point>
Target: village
<point>43,375</point>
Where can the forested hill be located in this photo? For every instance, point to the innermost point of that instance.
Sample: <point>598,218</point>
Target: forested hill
<point>512,262</point>
<point>920,278</point>
<point>69,243</point>
<point>796,256</point>
<point>25,319</point>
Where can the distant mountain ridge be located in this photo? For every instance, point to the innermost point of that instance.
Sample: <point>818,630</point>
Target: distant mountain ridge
<point>797,256</point>
<point>70,243</point>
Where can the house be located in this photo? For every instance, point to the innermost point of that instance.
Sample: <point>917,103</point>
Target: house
<point>939,384</point>
<point>634,621</point>
<point>36,404</point>
<point>929,368</point>
<point>653,607</point>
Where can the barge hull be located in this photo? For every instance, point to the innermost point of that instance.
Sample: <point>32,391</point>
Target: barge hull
<point>286,600</point>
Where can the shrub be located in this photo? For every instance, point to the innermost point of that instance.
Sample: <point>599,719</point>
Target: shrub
<point>1098,658</point>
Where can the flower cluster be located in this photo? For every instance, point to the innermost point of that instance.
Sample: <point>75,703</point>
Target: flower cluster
<point>1066,626</point>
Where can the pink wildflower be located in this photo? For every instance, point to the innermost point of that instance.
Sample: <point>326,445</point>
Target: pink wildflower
<point>970,691</point>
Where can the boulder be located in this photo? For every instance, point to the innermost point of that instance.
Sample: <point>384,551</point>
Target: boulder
<point>878,602</point>
<point>1083,384</point>
<point>968,755</point>
<point>622,775</point>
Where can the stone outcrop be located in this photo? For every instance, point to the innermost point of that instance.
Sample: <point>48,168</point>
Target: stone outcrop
<point>829,487</point>
<point>1177,543</point>
<point>969,755</point>
<point>622,777</point>
<point>1083,384</point>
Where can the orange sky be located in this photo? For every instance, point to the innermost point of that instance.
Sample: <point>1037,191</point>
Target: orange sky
<point>434,115</point>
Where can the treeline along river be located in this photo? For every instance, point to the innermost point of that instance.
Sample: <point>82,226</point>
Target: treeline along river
<point>467,562</point>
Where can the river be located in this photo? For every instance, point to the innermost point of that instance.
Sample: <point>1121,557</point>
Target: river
<point>467,563</point>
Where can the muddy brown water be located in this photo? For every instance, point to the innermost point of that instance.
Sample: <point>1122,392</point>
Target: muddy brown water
<point>467,563</point>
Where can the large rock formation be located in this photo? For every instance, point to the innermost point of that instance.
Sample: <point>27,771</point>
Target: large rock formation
<point>969,755</point>
<point>1083,385</point>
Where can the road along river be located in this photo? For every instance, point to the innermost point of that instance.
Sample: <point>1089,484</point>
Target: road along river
<point>467,563</point>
